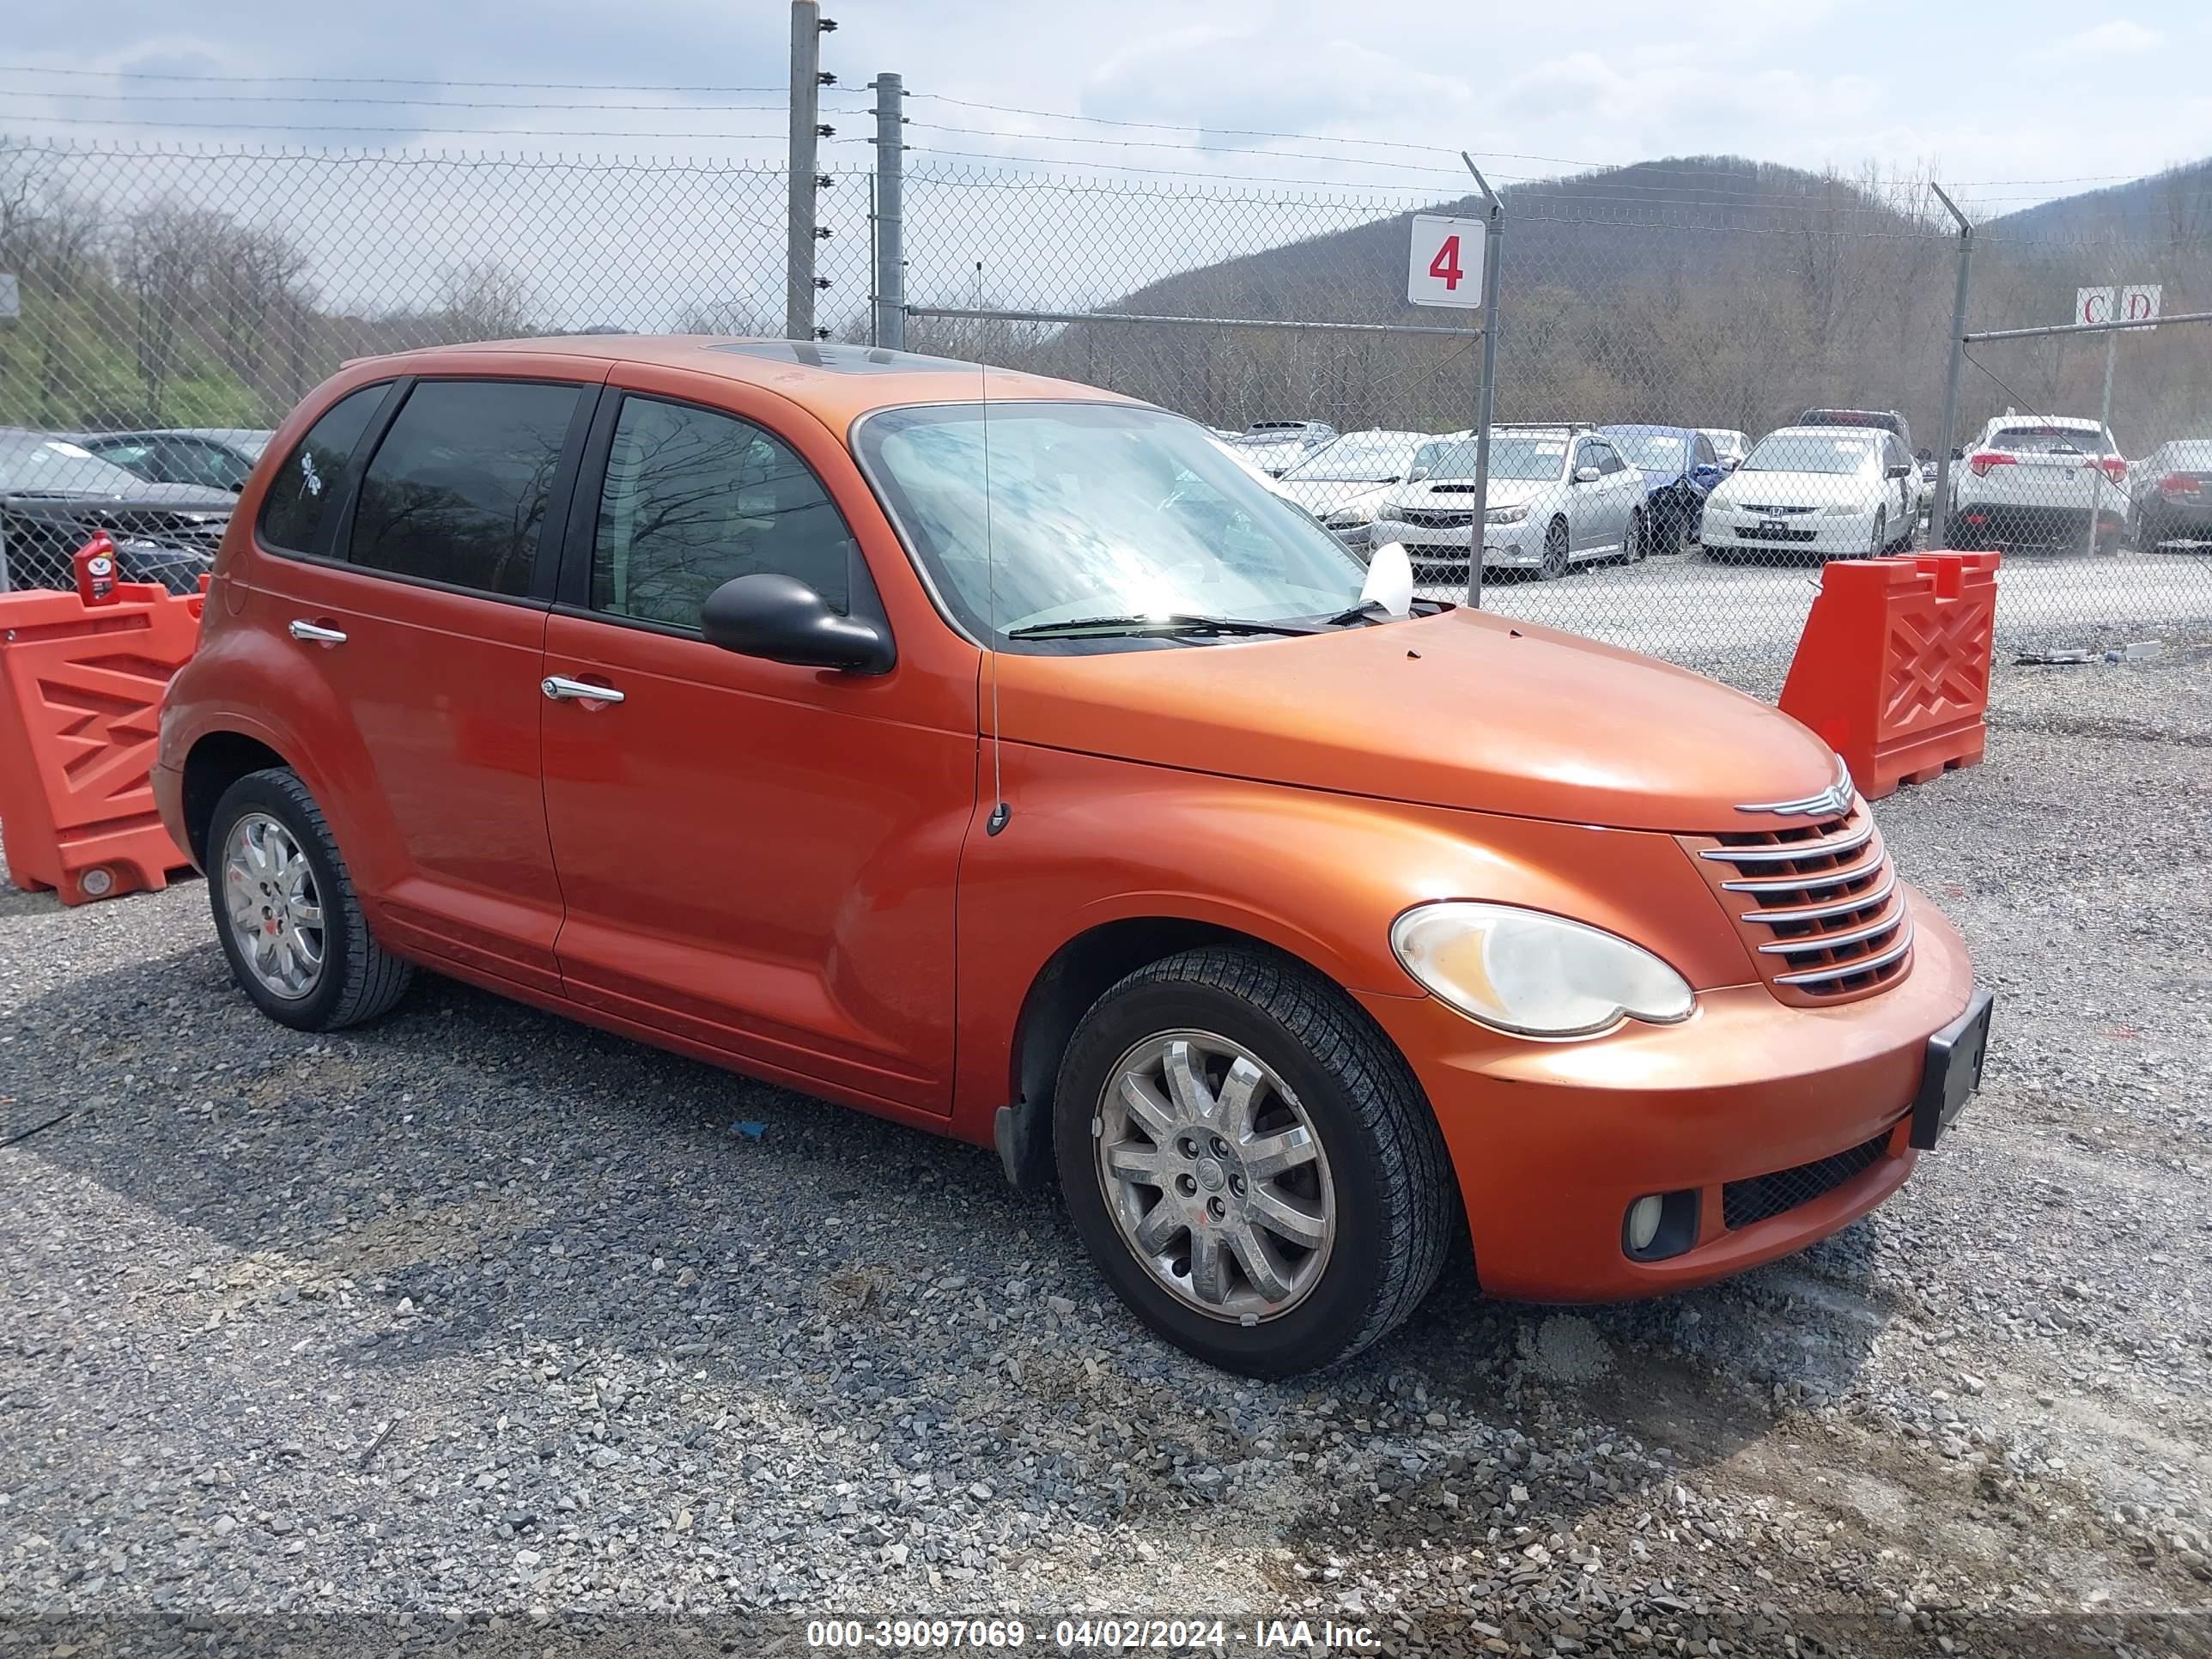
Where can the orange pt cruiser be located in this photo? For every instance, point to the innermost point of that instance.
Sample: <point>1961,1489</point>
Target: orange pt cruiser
<point>1000,756</point>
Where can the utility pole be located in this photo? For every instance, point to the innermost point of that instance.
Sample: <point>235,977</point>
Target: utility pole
<point>1939,520</point>
<point>808,26</point>
<point>890,212</point>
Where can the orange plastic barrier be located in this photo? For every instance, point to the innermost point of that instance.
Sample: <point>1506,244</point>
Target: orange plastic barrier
<point>1893,668</point>
<point>80,707</point>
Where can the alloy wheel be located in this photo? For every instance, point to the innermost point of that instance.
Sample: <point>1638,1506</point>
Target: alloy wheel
<point>1213,1176</point>
<point>275,912</point>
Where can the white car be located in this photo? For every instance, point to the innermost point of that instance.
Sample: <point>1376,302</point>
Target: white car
<point>1276,446</point>
<point>1344,484</point>
<point>2034,480</point>
<point>1728,444</point>
<point>1821,492</point>
<point>1558,494</point>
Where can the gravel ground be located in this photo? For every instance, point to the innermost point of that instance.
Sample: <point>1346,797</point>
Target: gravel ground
<point>476,1325</point>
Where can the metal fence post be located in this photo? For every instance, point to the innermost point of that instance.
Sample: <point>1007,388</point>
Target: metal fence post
<point>1939,520</point>
<point>890,212</point>
<point>1493,246</point>
<point>806,117</point>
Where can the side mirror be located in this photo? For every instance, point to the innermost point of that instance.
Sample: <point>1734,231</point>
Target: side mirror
<point>1924,454</point>
<point>1900,472</point>
<point>1587,475</point>
<point>781,619</point>
<point>1417,475</point>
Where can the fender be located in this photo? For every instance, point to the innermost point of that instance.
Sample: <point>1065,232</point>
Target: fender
<point>1093,842</point>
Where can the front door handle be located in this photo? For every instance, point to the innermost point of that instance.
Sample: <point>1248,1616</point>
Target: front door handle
<point>568,690</point>
<point>302,629</point>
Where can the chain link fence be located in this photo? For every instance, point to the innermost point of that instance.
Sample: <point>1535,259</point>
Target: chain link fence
<point>1711,376</point>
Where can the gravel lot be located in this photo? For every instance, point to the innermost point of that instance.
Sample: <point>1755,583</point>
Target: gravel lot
<point>484,1319</point>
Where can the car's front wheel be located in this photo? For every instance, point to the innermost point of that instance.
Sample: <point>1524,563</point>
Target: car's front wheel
<point>1250,1162</point>
<point>286,911</point>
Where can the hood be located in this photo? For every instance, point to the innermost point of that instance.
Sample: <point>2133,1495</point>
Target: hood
<point>1461,709</point>
<point>170,497</point>
<point>1321,498</point>
<point>1442,494</point>
<point>1764,489</point>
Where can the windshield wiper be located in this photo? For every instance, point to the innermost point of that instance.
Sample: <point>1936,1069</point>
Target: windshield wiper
<point>1168,624</point>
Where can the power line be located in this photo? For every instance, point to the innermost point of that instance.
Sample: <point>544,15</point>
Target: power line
<point>137,99</point>
<point>386,81</point>
<point>421,127</point>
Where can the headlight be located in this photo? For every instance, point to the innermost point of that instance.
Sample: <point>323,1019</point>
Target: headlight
<point>1532,974</point>
<point>1347,517</point>
<point>1843,510</point>
<point>1505,516</point>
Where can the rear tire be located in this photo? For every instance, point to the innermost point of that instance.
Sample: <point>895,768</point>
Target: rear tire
<point>1381,1178</point>
<point>259,916</point>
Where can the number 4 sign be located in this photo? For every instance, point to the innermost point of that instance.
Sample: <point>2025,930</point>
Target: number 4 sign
<point>1445,268</point>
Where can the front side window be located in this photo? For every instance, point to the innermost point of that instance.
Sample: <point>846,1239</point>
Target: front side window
<point>315,477</point>
<point>1655,452</point>
<point>187,460</point>
<point>456,492</point>
<point>1054,512</point>
<point>694,498</point>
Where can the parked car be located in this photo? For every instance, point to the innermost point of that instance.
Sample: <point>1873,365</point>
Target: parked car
<point>1680,467</point>
<point>55,496</point>
<point>2033,481</point>
<point>2171,500</point>
<point>1559,494</point>
<point>215,458</point>
<point>1816,492</point>
<point>1276,446</point>
<point>1071,803</point>
<point>1729,446</point>
<point>1886,420</point>
<point>1343,483</point>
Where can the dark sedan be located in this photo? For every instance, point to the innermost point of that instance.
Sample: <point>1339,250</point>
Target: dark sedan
<point>217,457</point>
<point>2171,500</point>
<point>55,494</point>
<point>1680,467</point>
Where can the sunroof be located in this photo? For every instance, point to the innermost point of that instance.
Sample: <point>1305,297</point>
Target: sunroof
<point>838,358</point>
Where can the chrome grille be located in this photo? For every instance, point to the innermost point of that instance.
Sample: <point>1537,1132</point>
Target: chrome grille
<point>1432,517</point>
<point>1819,905</point>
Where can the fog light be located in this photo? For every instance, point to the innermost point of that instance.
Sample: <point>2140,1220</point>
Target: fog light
<point>1643,1223</point>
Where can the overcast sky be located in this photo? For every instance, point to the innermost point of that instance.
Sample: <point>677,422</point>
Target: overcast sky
<point>2026,90</point>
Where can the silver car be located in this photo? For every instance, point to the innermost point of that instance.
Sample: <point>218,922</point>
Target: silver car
<point>1345,484</point>
<point>1559,494</point>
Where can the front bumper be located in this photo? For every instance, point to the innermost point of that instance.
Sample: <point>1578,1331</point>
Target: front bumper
<point>1818,532</point>
<point>1551,1142</point>
<point>1443,549</point>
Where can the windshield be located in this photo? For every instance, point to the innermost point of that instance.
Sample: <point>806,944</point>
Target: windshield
<point>1360,457</point>
<point>1809,452</point>
<point>1094,510</point>
<point>31,463</point>
<point>1653,452</point>
<point>2049,441</point>
<point>1514,458</point>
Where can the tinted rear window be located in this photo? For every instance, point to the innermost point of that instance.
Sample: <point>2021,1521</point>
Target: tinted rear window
<point>456,490</point>
<point>2048,440</point>
<point>314,477</point>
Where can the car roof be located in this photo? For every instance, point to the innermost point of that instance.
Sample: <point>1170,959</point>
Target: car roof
<point>836,382</point>
<point>1647,426</point>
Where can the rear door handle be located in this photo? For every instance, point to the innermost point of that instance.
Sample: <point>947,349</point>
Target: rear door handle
<point>302,629</point>
<point>567,690</point>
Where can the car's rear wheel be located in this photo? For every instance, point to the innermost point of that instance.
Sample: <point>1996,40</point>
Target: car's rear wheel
<point>286,911</point>
<point>1555,551</point>
<point>1249,1163</point>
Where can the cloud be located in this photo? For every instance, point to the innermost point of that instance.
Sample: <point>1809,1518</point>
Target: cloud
<point>2118,38</point>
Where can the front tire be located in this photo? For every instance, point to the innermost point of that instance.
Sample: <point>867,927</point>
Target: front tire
<point>1881,533</point>
<point>1641,534</point>
<point>286,911</point>
<point>1250,1163</point>
<point>1555,551</point>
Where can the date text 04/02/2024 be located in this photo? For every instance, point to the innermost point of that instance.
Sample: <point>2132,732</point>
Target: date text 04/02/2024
<point>1093,1635</point>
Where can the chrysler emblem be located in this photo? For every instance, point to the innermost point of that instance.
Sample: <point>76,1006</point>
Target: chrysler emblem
<point>1833,802</point>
